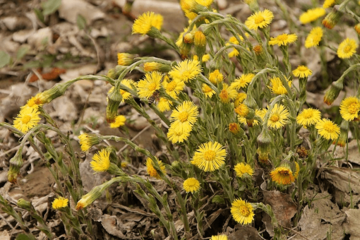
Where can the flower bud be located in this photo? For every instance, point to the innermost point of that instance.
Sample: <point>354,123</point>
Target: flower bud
<point>264,145</point>
<point>87,140</point>
<point>332,18</point>
<point>115,99</point>
<point>125,59</point>
<point>333,92</point>
<point>155,66</point>
<point>357,28</point>
<point>24,204</point>
<point>15,164</point>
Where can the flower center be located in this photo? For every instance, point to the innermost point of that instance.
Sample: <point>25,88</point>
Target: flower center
<point>302,68</point>
<point>275,117</point>
<point>183,116</point>
<point>308,114</point>
<point>347,49</point>
<point>26,119</point>
<point>259,19</point>
<point>282,37</point>
<point>244,211</point>
<point>152,86</point>
<point>329,127</point>
<point>353,108</point>
<point>171,86</point>
<point>209,155</point>
<point>284,173</point>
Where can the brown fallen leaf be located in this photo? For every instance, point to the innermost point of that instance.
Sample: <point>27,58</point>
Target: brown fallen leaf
<point>52,75</point>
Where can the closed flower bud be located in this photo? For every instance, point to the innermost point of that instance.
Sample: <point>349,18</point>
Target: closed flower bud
<point>125,59</point>
<point>357,28</point>
<point>24,204</point>
<point>199,39</point>
<point>333,92</point>
<point>114,100</point>
<point>264,145</point>
<point>15,164</point>
<point>332,18</point>
<point>189,38</point>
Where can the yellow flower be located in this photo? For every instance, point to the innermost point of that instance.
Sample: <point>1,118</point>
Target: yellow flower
<point>151,170</point>
<point>296,174</point>
<point>308,117</point>
<point>34,102</point>
<point>146,21</point>
<point>179,132</point>
<point>205,3</point>
<point>119,121</point>
<point>282,175</point>
<point>191,185</point>
<point>233,53</point>
<point>227,93</point>
<point>261,113</point>
<point>209,156</point>
<point>302,72</point>
<point>149,85</point>
<point>216,77</point>
<point>347,48</point>
<point>125,59</point>
<point>27,119</point>
<point>186,70</point>
<point>283,39</point>
<point>242,110</point>
<point>174,87</point>
<point>357,28</point>
<point>314,37</point>
<point>259,19</point>
<point>124,164</point>
<point>155,66</point>
<point>88,140</point>
<point>60,202</point>
<point>208,91</point>
<point>311,15</point>
<point>101,161</point>
<point>349,108</point>
<point>199,39</point>
<point>242,211</point>
<point>243,81</point>
<point>258,49</point>
<point>278,116</point>
<point>186,112</point>
<point>234,128</point>
<point>241,169</point>
<point>206,58</point>
<point>328,3</point>
<point>277,86</point>
<point>327,129</point>
<point>219,237</point>
<point>239,98</point>
<point>164,104</point>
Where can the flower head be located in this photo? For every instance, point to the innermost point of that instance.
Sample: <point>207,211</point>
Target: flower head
<point>186,112</point>
<point>260,19</point>
<point>283,39</point>
<point>199,39</point>
<point>308,117</point>
<point>186,70</point>
<point>27,119</point>
<point>234,128</point>
<point>277,87</point>
<point>34,102</point>
<point>311,15</point>
<point>191,185</point>
<point>149,85</point>
<point>347,48</point>
<point>164,104</point>
<point>349,108</point>
<point>119,121</point>
<point>302,72</point>
<point>151,170</point>
<point>125,59</point>
<point>179,132</point>
<point>242,110</point>
<point>227,93</point>
<point>101,161</point>
<point>87,141</point>
<point>242,81</point>
<point>242,168</point>
<point>60,202</point>
<point>145,22</point>
<point>327,129</point>
<point>174,87</point>
<point>328,3</point>
<point>209,156</point>
<point>278,117</point>
<point>208,91</point>
<point>216,77</point>
<point>242,211</point>
<point>205,58</point>
<point>282,175</point>
<point>240,97</point>
<point>219,237</point>
<point>205,3</point>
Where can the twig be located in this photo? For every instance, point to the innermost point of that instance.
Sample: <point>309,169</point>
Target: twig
<point>135,137</point>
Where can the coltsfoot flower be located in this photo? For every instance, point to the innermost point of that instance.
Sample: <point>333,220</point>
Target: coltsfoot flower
<point>101,161</point>
<point>27,118</point>
<point>125,59</point>
<point>149,85</point>
<point>145,22</point>
<point>208,91</point>
<point>151,170</point>
<point>186,70</point>
<point>283,39</point>
<point>312,15</point>
<point>242,211</point>
<point>209,156</point>
<point>87,140</point>
<point>329,3</point>
<point>216,77</point>
<point>60,202</point>
<point>243,168</point>
<point>219,237</point>
<point>278,117</point>
<point>314,37</point>
<point>282,175</point>
<point>277,87</point>
<point>179,132</point>
<point>164,104</point>
<point>327,129</point>
<point>191,185</point>
<point>242,110</point>
<point>260,19</point>
<point>242,81</point>
<point>234,128</point>
<point>174,87</point>
<point>119,121</point>
<point>227,93</point>
<point>347,48</point>
<point>302,72</point>
<point>349,108</point>
<point>186,112</point>
<point>308,117</point>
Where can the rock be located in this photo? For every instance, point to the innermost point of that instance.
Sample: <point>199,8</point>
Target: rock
<point>41,38</point>
<point>70,9</point>
<point>22,36</point>
<point>14,23</point>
